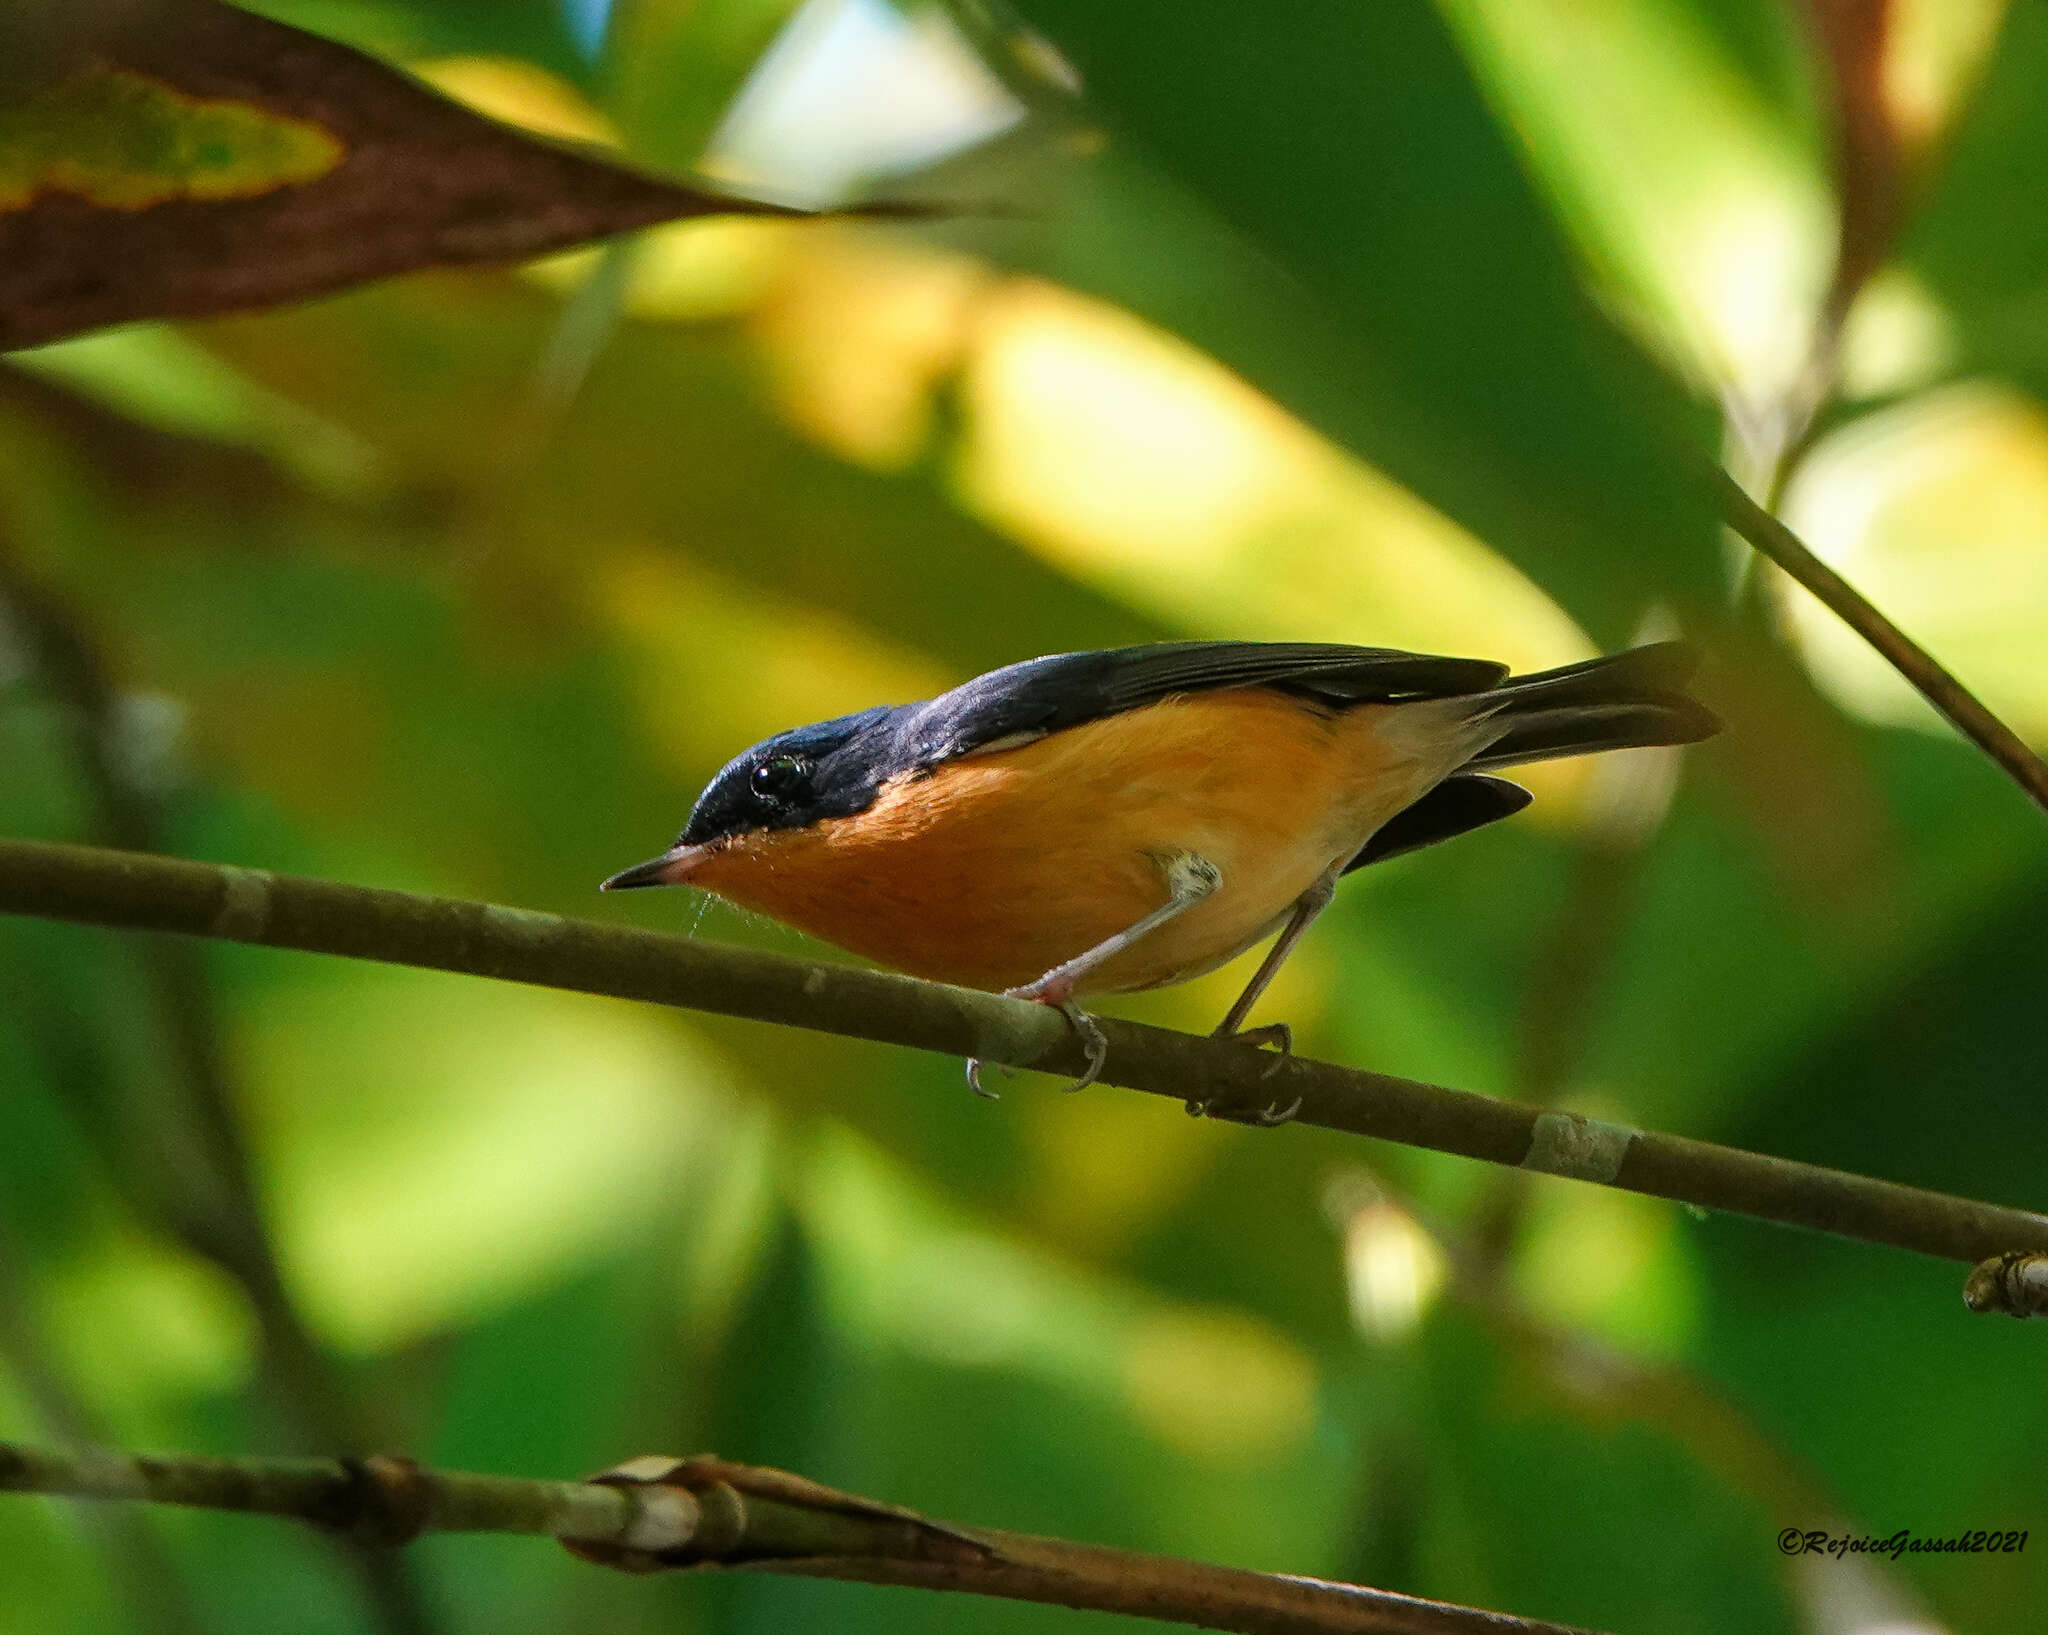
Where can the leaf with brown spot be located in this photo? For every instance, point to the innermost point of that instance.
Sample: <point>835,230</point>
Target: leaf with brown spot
<point>191,158</point>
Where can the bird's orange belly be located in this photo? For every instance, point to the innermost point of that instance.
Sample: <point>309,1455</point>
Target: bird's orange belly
<point>998,867</point>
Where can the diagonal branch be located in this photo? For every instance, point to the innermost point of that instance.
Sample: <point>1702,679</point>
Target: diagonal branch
<point>137,892</point>
<point>1908,657</point>
<point>659,1513</point>
<point>1874,159</point>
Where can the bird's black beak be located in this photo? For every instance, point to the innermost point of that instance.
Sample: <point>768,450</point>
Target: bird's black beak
<point>671,868</point>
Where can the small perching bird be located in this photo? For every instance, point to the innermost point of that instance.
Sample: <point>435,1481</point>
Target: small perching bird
<point>1110,821</point>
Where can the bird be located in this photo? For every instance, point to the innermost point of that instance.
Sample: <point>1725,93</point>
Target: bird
<point>1128,818</point>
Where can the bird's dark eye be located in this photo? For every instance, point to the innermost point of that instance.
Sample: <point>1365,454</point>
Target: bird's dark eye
<point>777,778</point>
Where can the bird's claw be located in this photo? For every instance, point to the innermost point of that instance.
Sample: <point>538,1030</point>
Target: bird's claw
<point>1272,1033</point>
<point>1093,1041</point>
<point>1272,1114</point>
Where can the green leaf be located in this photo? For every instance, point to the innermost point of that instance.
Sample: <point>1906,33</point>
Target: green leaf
<point>1394,278</point>
<point>1981,241</point>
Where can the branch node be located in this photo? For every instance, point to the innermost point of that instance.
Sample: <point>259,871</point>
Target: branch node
<point>1579,1148</point>
<point>736,1515</point>
<point>677,1522</point>
<point>2015,1283</point>
<point>386,1501</point>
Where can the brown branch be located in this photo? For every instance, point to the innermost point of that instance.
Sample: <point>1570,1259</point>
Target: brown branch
<point>1775,442</point>
<point>135,892</point>
<point>660,1513</point>
<point>1914,662</point>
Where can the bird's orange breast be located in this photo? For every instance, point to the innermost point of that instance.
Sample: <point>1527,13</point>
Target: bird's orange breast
<point>997,867</point>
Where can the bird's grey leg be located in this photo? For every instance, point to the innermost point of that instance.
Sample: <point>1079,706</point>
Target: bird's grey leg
<point>1306,907</point>
<point>1189,879</point>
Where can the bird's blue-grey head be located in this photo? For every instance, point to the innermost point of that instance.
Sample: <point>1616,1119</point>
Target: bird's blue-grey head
<point>790,781</point>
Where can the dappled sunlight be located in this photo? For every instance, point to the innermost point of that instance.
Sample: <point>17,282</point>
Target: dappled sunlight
<point>1937,50</point>
<point>690,631</point>
<point>686,271</point>
<point>908,1271</point>
<point>1110,445</point>
<point>1703,208</point>
<point>1393,1269</point>
<point>1897,338</point>
<point>520,93</point>
<point>1938,511</point>
<point>717,267</point>
<point>858,334</point>
<point>140,1323</point>
<point>463,581</point>
<point>1223,1387</point>
<point>1139,465</point>
<point>855,88</point>
<point>435,1150</point>
<point>1100,1182</point>
<point>1129,460</point>
<point>1610,1263</point>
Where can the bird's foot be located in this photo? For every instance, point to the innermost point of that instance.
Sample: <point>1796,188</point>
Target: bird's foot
<point>1051,989</point>
<point>1272,1033</point>
<point>1267,1117</point>
<point>1093,1040</point>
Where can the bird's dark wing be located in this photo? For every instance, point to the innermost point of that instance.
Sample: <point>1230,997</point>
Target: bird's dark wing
<point>1039,696</point>
<point>1454,807</point>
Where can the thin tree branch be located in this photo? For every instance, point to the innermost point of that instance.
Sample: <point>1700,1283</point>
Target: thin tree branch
<point>1872,182</point>
<point>133,891</point>
<point>1914,662</point>
<point>659,1513</point>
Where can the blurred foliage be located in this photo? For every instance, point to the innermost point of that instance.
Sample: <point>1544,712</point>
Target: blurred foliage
<point>1391,324</point>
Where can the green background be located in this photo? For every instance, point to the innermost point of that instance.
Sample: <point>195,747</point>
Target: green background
<point>465,583</point>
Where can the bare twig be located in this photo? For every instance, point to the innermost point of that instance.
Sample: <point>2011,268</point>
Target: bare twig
<point>660,1512</point>
<point>143,893</point>
<point>1773,443</point>
<point>1915,663</point>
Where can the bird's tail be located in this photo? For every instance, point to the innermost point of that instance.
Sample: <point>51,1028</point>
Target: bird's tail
<point>1624,701</point>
